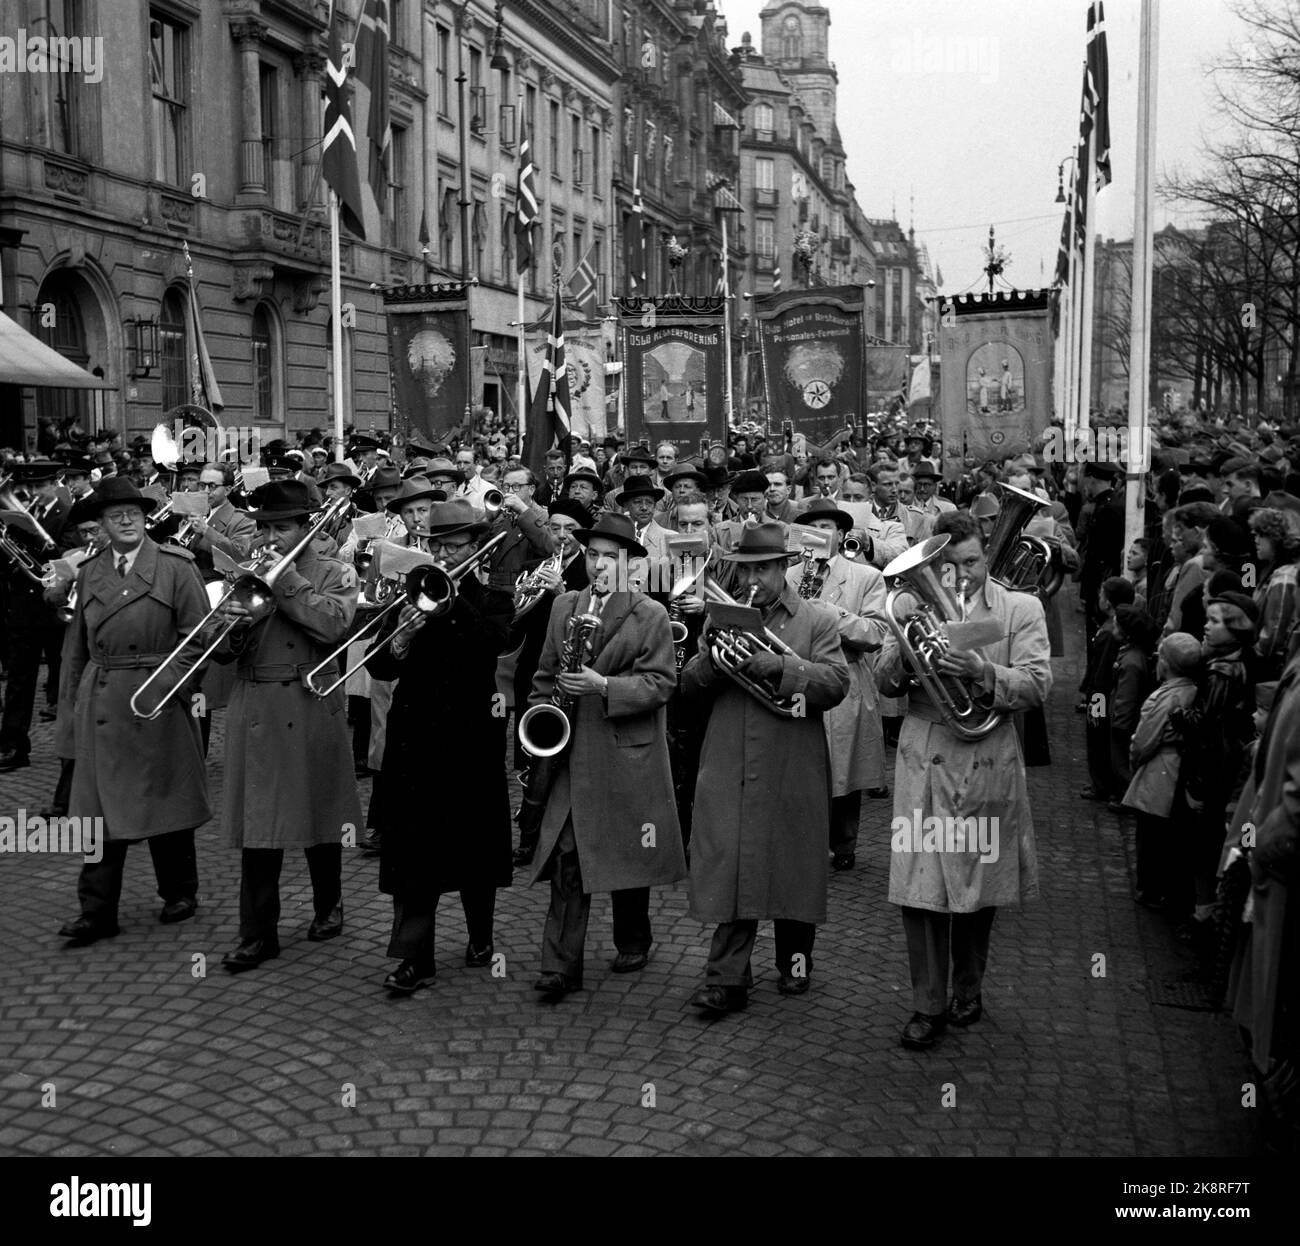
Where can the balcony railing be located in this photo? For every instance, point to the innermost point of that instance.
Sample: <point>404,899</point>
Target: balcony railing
<point>764,263</point>
<point>767,197</point>
<point>765,136</point>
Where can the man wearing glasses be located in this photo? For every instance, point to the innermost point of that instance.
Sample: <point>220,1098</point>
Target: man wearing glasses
<point>443,716</point>
<point>145,779</point>
<point>528,536</point>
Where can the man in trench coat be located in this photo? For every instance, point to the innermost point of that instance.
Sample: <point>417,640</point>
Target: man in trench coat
<point>146,779</point>
<point>949,887</point>
<point>611,821</point>
<point>289,779</point>
<point>762,802</point>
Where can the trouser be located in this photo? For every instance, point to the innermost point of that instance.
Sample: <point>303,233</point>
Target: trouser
<point>1120,769</point>
<point>846,813</point>
<point>931,938</point>
<point>1097,741</point>
<point>205,730</point>
<point>259,886</point>
<point>63,788</point>
<point>1153,840</point>
<point>566,920</point>
<point>174,865</point>
<point>685,742</point>
<point>32,630</point>
<point>733,942</point>
<point>413,923</point>
<point>359,717</point>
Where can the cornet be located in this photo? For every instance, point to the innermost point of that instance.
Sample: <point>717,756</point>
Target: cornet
<point>530,586</point>
<point>254,589</point>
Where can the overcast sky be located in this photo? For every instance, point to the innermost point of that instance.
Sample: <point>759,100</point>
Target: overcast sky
<point>977,141</point>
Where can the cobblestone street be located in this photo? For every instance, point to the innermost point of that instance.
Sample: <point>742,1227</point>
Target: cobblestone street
<point>137,1055</point>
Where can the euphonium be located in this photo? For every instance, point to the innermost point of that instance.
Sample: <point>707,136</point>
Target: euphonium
<point>530,586</point>
<point>13,550</point>
<point>1019,562</point>
<point>729,647</point>
<point>546,730</point>
<point>923,636</point>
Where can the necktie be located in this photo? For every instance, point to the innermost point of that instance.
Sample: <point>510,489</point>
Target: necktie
<point>121,566</point>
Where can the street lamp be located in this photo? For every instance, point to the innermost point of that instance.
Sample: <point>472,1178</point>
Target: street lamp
<point>498,61</point>
<point>1071,159</point>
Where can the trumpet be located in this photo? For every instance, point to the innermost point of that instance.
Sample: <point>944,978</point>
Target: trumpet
<point>494,503</point>
<point>730,647</point>
<point>254,589</point>
<point>530,586</point>
<point>13,550</point>
<point>65,612</point>
<point>431,590</point>
<point>923,636</point>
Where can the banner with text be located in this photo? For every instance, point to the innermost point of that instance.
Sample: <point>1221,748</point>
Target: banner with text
<point>584,358</point>
<point>812,349</point>
<point>673,371</point>
<point>429,359</point>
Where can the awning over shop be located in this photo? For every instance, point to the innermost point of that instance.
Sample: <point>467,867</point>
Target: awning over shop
<point>725,201</point>
<point>26,360</point>
<point>722,118</point>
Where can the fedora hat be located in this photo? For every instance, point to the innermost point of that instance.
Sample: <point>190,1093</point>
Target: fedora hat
<point>637,487</point>
<point>37,469</point>
<point>339,471</point>
<point>925,470</point>
<point>281,499</point>
<point>413,489</point>
<point>360,441</point>
<point>616,528</point>
<point>764,542</point>
<point>458,515</point>
<point>443,467</point>
<point>824,508</point>
<point>749,482</point>
<point>115,490</point>
<point>590,477</point>
<point>388,477</point>
<point>639,454</point>
<point>686,472</point>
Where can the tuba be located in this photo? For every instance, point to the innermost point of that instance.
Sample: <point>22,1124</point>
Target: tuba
<point>923,636</point>
<point>1019,562</point>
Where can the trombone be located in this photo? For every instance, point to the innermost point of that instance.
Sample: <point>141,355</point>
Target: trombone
<point>254,589</point>
<point>431,590</point>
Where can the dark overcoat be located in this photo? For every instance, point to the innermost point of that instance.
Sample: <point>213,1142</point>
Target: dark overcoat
<point>445,819</point>
<point>289,778</point>
<point>616,780</point>
<point>143,778</point>
<point>762,800</point>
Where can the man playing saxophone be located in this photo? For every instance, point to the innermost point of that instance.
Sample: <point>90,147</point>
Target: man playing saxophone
<point>963,839</point>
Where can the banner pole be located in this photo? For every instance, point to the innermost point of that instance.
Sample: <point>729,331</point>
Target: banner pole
<point>336,316</point>
<point>729,406</point>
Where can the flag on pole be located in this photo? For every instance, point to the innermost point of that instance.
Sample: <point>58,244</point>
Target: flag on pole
<point>636,254</point>
<point>339,148</point>
<point>525,201</point>
<point>776,275</point>
<point>204,390</point>
<point>372,71</point>
<point>424,231</point>
<point>1097,90</point>
<point>548,408</point>
<point>583,287</point>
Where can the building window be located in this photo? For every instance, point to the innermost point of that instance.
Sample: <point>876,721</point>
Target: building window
<point>263,340</point>
<point>764,121</point>
<point>479,235</point>
<point>507,243</point>
<point>446,226</point>
<point>553,112</point>
<point>594,160</point>
<point>577,253</point>
<point>791,39</point>
<point>397,23</point>
<point>61,87</point>
<point>67,335</point>
<point>764,238</point>
<point>169,78</point>
<point>575,137</point>
<point>398,228</point>
<point>268,85</point>
<point>442,91</point>
<point>764,174</point>
<point>173,369</point>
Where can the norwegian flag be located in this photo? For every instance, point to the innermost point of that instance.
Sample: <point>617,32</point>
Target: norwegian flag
<point>636,251</point>
<point>583,285</point>
<point>372,71</point>
<point>339,149</point>
<point>525,201</point>
<point>548,412</point>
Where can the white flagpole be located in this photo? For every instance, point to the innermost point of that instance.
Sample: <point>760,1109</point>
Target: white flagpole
<point>726,323</point>
<point>336,315</point>
<point>1089,275</point>
<point>522,387</point>
<point>1072,306</point>
<point>1140,303</point>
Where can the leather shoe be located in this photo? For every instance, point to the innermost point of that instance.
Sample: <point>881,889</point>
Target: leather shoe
<point>629,962</point>
<point>1091,793</point>
<point>87,929</point>
<point>178,910</point>
<point>48,714</point>
<point>522,856</point>
<point>478,957</point>
<point>251,953</point>
<point>877,793</point>
<point>328,927</point>
<point>409,977</point>
<point>556,985</point>
<point>965,1011</point>
<point>790,985</point>
<point>921,1031</point>
<point>12,760</point>
<point>844,861</point>
<point>370,843</point>
<point>720,1000</point>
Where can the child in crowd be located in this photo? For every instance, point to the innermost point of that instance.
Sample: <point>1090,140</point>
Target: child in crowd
<point>1154,757</point>
<point>1098,686</point>
<point>1135,632</point>
<point>1136,564</point>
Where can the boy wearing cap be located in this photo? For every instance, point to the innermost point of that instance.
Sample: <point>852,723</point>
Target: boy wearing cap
<point>288,779</point>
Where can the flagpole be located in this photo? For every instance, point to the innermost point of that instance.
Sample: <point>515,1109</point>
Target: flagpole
<point>1140,300</point>
<point>1072,306</point>
<point>521,389</point>
<point>1089,277</point>
<point>726,322</point>
<point>336,316</point>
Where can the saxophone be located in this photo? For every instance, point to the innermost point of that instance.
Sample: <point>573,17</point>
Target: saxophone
<point>546,730</point>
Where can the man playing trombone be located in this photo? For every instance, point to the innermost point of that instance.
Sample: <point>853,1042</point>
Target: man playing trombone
<point>288,779</point>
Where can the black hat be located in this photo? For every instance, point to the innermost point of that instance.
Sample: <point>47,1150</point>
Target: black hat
<point>824,508</point>
<point>78,464</point>
<point>612,443</point>
<point>572,508</point>
<point>1229,537</point>
<point>617,528</point>
<point>749,482</point>
<point>361,442</point>
<point>458,515</point>
<point>761,543</point>
<point>636,487</point>
<point>1243,601</point>
<point>1101,470</point>
<point>416,449</point>
<point>114,490</point>
<point>281,499</point>
<point>338,471</point>
<point>925,470</point>
<point>413,489</point>
<point>687,471</point>
<point>83,511</point>
<point>37,469</point>
<point>639,454</point>
<point>590,477</point>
